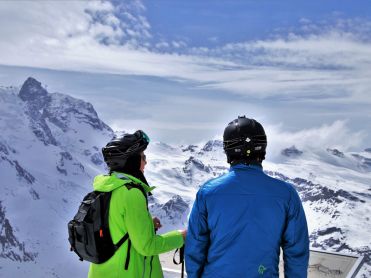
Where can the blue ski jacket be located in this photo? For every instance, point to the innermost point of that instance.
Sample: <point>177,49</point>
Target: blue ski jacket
<point>238,223</point>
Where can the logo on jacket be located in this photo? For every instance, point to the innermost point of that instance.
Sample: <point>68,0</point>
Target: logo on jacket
<point>261,269</point>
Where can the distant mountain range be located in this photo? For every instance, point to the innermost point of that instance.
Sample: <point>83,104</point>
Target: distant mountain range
<point>50,151</point>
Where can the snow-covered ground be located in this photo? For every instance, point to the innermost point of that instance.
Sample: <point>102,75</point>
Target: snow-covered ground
<point>50,151</point>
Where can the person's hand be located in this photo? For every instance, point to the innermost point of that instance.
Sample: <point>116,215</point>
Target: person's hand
<point>156,223</point>
<point>184,233</point>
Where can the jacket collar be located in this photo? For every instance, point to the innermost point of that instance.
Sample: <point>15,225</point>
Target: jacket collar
<point>242,166</point>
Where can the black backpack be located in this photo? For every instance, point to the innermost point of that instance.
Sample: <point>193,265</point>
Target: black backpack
<point>89,234</point>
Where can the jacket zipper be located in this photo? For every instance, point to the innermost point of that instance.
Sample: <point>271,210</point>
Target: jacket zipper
<point>150,268</point>
<point>144,266</point>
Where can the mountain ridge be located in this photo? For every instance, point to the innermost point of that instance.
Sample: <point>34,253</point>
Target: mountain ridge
<point>50,152</point>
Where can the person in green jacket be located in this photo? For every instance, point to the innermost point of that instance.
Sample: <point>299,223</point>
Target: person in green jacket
<point>128,213</point>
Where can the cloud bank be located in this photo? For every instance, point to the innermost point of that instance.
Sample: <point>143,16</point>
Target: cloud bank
<point>336,135</point>
<point>326,64</point>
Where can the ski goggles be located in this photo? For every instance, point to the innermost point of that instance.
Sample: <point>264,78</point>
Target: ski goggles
<point>144,136</point>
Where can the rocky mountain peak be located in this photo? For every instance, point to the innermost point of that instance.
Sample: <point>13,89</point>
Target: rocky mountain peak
<point>291,152</point>
<point>198,164</point>
<point>32,90</point>
<point>191,148</point>
<point>213,144</point>
<point>11,247</point>
<point>175,204</point>
<point>336,152</point>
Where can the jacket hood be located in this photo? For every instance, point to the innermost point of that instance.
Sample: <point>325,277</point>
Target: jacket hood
<point>107,183</point>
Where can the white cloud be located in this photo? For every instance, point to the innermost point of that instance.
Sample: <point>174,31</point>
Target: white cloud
<point>336,135</point>
<point>162,44</point>
<point>331,63</point>
<point>97,36</point>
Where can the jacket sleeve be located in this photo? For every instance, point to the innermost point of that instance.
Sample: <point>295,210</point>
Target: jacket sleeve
<point>197,241</point>
<point>295,240</point>
<point>140,227</point>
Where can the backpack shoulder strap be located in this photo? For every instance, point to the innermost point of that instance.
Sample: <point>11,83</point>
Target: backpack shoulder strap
<point>132,185</point>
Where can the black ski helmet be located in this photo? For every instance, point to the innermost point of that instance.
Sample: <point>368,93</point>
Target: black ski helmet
<point>119,149</point>
<point>244,140</point>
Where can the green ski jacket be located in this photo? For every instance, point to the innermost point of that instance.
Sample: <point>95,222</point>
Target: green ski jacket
<point>128,213</point>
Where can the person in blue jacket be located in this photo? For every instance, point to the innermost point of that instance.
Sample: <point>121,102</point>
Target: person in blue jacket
<point>239,221</point>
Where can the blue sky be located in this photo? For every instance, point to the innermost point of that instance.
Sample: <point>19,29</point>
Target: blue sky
<point>181,70</point>
<point>209,23</point>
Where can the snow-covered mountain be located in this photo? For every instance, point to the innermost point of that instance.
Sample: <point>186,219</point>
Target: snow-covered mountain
<point>50,151</point>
